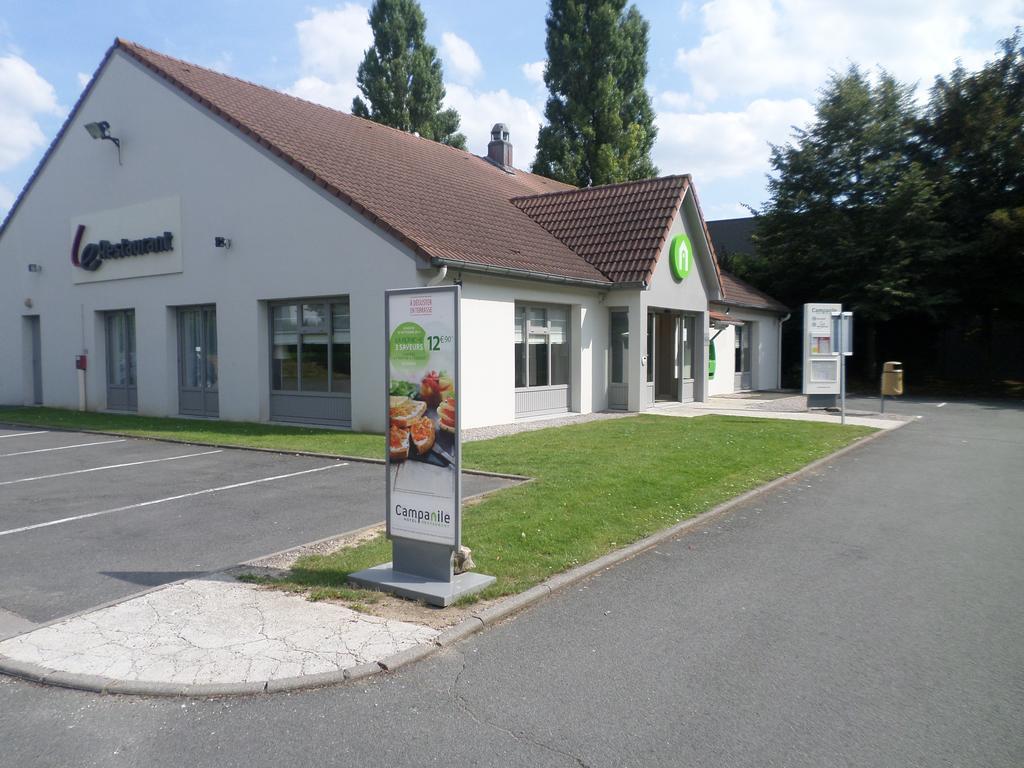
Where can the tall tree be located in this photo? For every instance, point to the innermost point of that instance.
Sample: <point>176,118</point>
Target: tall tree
<point>852,215</point>
<point>600,122</point>
<point>973,139</point>
<point>400,76</point>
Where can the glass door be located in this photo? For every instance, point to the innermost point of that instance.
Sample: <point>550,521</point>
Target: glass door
<point>618,359</point>
<point>742,371</point>
<point>197,361</point>
<point>689,349</point>
<point>667,360</point>
<point>121,372</point>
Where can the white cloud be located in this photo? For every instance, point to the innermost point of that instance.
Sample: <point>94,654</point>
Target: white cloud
<point>461,61</point>
<point>331,47</point>
<point>758,47</point>
<point>674,101</point>
<point>332,44</point>
<point>726,145</point>
<point>24,96</point>
<point>758,65</point>
<point>334,95</point>
<point>83,79</point>
<point>1000,13</point>
<point>533,71</point>
<point>480,111</point>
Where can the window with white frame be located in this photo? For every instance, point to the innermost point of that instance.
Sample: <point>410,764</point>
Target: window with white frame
<point>541,346</point>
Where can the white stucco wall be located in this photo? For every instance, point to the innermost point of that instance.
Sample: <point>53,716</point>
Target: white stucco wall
<point>725,362</point>
<point>288,241</point>
<point>764,351</point>
<point>488,351</point>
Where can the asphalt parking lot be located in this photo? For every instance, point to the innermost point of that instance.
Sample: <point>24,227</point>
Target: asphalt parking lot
<point>86,519</point>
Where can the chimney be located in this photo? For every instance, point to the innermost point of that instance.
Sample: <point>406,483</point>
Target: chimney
<point>499,150</point>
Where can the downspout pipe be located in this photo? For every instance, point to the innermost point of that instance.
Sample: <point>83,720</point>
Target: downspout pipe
<point>437,279</point>
<point>778,369</point>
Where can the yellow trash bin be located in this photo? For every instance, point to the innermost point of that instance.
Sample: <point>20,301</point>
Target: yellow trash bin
<point>892,378</point>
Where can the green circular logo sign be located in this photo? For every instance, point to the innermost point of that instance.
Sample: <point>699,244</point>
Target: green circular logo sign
<point>409,345</point>
<point>680,256</point>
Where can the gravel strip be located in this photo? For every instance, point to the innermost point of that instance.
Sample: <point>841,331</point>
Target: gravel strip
<point>500,430</point>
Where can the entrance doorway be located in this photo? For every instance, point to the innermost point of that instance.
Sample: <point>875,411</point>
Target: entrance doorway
<point>666,357</point>
<point>743,379</point>
<point>121,385</point>
<point>197,362</point>
<point>670,356</point>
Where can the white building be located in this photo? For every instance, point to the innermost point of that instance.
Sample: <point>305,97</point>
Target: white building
<point>227,256</point>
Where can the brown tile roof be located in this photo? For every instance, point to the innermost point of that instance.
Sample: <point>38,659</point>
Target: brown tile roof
<point>737,293</point>
<point>444,203</point>
<point>723,319</point>
<point>619,228</point>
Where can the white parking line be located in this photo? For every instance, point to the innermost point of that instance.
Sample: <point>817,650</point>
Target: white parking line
<point>60,448</point>
<point>25,434</point>
<point>940,405</point>
<point>169,498</point>
<point>109,466</point>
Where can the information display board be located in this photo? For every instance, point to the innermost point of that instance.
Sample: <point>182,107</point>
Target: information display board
<point>821,365</point>
<point>424,449</point>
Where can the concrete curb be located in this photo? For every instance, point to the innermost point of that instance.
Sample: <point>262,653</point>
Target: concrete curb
<point>457,633</point>
<point>278,451</point>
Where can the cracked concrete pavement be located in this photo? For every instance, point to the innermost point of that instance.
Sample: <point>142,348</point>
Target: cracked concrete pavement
<point>214,631</point>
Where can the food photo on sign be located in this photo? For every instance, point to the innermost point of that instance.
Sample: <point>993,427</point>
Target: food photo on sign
<point>422,412</point>
<point>422,419</point>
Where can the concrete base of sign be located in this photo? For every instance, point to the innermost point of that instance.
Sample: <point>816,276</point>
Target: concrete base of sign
<point>431,591</point>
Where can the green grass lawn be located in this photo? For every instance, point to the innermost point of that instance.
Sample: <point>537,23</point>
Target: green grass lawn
<point>599,486</point>
<point>241,433</point>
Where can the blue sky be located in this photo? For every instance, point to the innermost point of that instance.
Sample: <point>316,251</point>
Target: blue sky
<point>726,76</point>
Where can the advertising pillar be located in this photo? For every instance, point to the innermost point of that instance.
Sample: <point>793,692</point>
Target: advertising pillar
<point>424,449</point>
<point>821,364</point>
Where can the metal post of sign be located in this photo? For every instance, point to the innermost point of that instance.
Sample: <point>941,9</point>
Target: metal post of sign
<point>842,388</point>
<point>424,448</point>
<point>842,332</point>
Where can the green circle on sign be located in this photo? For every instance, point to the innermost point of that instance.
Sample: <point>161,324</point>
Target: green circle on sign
<point>409,345</point>
<point>680,256</point>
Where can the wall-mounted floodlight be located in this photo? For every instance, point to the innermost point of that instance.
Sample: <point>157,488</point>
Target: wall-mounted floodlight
<point>101,130</point>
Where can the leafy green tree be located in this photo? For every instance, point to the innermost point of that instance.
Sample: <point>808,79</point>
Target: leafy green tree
<point>973,141</point>
<point>400,76</point>
<point>600,122</point>
<point>853,215</point>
